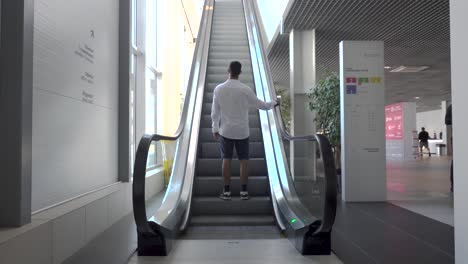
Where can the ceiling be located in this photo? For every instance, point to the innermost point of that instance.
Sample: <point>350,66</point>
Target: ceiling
<point>415,33</point>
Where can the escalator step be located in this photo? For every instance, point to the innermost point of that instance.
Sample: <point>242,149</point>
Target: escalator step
<point>212,61</point>
<point>256,205</point>
<point>232,55</point>
<point>232,220</point>
<point>222,32</point>
<point>212,167</point>
<point>254,120</point>
<point>212,186</point>
<point>210,150</point>
<point>208,97</point>
<point>229,37</point>
<point>228,49</point>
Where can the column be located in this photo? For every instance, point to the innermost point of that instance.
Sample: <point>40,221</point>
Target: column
<point>124,91</point>
<point>302,79</point>
<point>16,111</point>
<point>363,121</point>
<point>459,57</point>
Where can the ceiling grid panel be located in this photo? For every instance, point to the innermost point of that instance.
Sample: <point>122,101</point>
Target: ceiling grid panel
<point>415,32</point>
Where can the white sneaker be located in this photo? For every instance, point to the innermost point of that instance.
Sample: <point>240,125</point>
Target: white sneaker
<point>244,195</point>
<point>225,196</point>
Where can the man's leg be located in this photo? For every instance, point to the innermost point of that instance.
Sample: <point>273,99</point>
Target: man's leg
<point>244,172</point>
<point>227,172</point>
<point>226,146</point>
<point>242,148</point>
<point>244,178</point>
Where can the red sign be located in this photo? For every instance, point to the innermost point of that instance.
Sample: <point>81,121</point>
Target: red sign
<point>394,121</point>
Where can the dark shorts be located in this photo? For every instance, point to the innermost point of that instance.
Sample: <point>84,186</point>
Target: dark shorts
<point>424,144</point>
<point>227,148</point>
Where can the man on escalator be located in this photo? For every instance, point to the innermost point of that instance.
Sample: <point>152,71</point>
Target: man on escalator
<point>230,115</point>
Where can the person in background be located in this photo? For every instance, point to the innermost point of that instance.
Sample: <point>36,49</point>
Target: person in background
<point>424,140</point>
<point>448,122</point>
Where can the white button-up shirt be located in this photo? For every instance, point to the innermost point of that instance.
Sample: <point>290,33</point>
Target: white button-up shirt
<point>230,110</point>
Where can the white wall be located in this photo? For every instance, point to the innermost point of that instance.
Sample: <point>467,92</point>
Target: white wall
<point>75,98</point>
<point>433,121</point>
<point>459,44</point>
<point>57,233</point>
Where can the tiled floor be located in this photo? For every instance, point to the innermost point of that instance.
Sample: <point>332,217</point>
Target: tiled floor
<point>249,251</point>
<point>440,210</point>
<point>422,186</point>
<point>382,233</point>
<point>415,227</point>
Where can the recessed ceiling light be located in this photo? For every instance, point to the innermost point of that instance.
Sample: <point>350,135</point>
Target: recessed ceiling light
<point>410,68</point>
<point>416,97</point>
<point>387,67</point>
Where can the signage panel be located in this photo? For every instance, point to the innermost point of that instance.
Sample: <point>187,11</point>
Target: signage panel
<point>363,121</point>
<point>394,121</point>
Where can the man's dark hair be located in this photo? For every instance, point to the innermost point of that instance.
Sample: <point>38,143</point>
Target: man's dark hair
<point>422,128</point>
<point>235,68</point>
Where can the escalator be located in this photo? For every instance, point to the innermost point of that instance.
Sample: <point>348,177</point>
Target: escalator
<point>229,43</point>
<point>292,179</point>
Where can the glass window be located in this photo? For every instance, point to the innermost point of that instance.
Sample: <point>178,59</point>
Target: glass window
<point>162,38</point>
<point>151,76</point>
<point>144,77</point>
<point>132,110</point>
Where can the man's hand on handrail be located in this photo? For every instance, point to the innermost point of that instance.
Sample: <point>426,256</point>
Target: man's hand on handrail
<point>278,100</point>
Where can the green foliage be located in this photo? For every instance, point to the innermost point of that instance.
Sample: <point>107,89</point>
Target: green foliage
<point>325,102</point>
<point>285,108</point>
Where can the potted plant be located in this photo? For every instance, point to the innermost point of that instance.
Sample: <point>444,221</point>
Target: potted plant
<point>285,108</point>
<point>325,102</point>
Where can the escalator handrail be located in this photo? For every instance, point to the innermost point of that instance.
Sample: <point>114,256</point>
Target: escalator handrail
<point>139,179</point>
<point>330,202</point>
<point>284,196</point>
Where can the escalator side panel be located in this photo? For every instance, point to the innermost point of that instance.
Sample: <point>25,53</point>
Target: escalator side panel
<point>309,233</point>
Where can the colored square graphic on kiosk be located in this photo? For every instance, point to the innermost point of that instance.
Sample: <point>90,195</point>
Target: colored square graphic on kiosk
<point>363,80</point>
<point>351,80</point>
<point>351,89</point>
